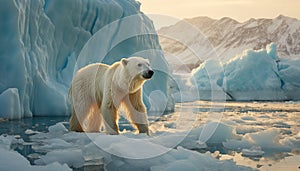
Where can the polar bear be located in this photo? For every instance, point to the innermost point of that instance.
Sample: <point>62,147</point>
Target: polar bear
<point>98,90</point>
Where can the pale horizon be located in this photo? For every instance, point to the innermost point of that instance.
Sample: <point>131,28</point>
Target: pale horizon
<point>240,10</point>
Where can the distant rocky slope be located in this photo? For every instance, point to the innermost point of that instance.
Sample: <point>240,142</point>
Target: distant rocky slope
<point>226,37</point>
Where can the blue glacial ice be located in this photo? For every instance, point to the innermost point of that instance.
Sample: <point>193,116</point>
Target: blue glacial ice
<point>41,43</point>
<point>10,103</point>
<point>253,75</point>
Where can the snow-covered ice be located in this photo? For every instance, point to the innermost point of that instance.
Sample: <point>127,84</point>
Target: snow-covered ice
<point>122,152</point>
<point>73,158</point>
<point>253,152</point>
<point>12,160</point>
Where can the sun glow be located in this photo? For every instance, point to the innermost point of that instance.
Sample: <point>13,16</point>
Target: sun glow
<point>240,10</point>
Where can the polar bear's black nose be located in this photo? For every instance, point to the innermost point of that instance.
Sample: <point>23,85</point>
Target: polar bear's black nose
<point>148,74</point>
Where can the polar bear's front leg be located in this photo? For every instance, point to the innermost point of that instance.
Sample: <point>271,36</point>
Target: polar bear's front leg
<point>137,112</point>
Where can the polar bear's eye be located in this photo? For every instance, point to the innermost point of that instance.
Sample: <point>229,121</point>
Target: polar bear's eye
<point>139,65</point>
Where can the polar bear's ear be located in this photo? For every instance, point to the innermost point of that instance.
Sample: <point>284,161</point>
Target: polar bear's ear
<point>124,61</point>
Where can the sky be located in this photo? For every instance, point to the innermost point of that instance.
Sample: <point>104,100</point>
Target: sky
<point>240,10</point>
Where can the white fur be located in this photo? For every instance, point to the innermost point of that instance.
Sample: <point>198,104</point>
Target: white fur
<point>98,90</point>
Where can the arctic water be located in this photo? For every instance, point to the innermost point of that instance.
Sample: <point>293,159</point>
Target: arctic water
<point>259,135</point>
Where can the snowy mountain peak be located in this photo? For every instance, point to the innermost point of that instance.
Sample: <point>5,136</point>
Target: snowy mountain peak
<point>200,20</point>
<point>283,17</point>
<point>228,20</point>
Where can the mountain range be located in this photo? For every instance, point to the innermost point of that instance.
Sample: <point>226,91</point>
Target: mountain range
<point>191,41</point>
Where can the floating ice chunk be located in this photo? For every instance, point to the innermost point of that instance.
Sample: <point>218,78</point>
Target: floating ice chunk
<point>71,157</point>
<point>254,151</point>
<point>132,148</point>
<point>58,128</point>
<point>198,138</point>
<point>30,132</point>
<point>215,132</point>
<point>266,139</point>
<point>12,160</point>
<point>248,118</point>
<point>292,142</point>
<point>7,140</point>
<point>53,144</point>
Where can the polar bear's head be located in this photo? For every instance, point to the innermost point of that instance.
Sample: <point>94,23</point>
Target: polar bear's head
<point>138,68</point>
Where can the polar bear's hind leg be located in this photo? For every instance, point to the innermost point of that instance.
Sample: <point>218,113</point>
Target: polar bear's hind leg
<point>95,119</point>
<point>75,125</point>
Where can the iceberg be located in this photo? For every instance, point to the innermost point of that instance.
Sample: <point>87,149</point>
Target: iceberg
<point>252,75</point>
<point>41,50</point>
<point>289,73</point>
